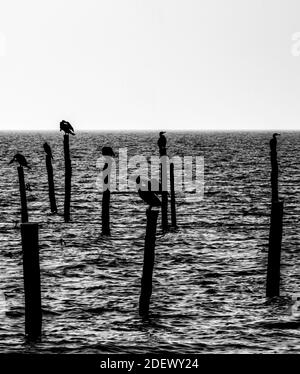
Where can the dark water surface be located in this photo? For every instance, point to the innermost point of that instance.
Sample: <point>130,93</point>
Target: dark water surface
<point>209,276</point>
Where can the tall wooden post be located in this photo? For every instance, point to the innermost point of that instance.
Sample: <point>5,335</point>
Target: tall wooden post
<point>164,193</point>
<point>68,176</point>
<point>52,199</point>
<point>173,202</point>
<point>274,174</point>
<point>275,237</point>
<point>149,256</point>
<point>32,284</point>
<point>106,203</point>
<point>24,212</point>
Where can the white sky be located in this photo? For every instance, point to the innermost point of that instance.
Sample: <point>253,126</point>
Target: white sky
<point>149,64</point>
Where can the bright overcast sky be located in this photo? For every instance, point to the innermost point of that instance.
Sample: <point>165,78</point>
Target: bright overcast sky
<point>149,64</point>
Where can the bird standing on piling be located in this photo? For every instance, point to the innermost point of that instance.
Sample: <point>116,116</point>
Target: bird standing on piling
<point>107,151</point>
<point>47,149</point>
<point>162,144</point>
<point>66,127</point>
<point>20,159</point>
<point>273,142</point>
<point>147,195</point>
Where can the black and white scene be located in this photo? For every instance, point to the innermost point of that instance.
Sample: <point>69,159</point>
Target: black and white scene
<point>149,177</point>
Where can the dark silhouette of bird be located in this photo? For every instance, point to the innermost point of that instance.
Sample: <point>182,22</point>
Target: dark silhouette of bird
<point>47,149</point>
<point>107,151</point>
<point>162,143</point>
<point>273,142</point>
<point>147,195</point>
<point>66,127</point>
<point>20,159</point>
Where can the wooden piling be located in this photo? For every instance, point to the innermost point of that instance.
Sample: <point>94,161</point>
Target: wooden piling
<point>52,199</point>
<point>275,236</point>
<point>32,284</point>
<point>68,176</point>
<point>105,213</point>
<point>173,201</point>
<point>164,195</point>
<point>274,174</point>
<point>106,204</point>
<point>273,272</point>
<point>149,256</point>
<point>24,211</point>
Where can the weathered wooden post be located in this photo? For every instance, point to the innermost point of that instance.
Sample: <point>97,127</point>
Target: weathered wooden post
<point>164,193</point>
<point>52,199</point>
<point>149,256</point>
<point>173,201</point>
<point>106,202</point>
<point>24,212</point>
<point>274,254</point>
<point>68,176</point>
<point>275,237</point>
<point>32,284</point>
<point>162,145</point>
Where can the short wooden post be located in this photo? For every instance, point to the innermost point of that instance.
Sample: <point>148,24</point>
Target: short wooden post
<point>32,284</point>
<point>52,199</point>
<point>68,176</point>
<point>24,212</point>
<point>164,194</point>
<point>173,201</point>
<point>273,272</point>
<point>149,256</point>
<point>106,204</point>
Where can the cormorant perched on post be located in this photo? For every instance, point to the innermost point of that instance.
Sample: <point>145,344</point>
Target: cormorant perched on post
<point>273,142</point>
<point>148,196</point>
<point>162,143</point>
<point>20,159</point>
<point>47,149</point>
<point>66,127</point>
<point>107,151</point>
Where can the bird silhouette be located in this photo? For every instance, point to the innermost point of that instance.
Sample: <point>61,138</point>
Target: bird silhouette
<point>273,142</point>
<point>20,159</point>
<point>66,127</point>
<point>147,195</point>
<point>47,149</point>
<point>162,143</point>
<point>107,151</point>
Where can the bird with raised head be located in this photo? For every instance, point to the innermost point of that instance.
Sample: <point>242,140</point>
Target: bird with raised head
<point>107,151</point>
<point>48,150</point>
<point>66,127</point>
<point>273,142</point>
<point>20,159</point>
<point>162,143</point>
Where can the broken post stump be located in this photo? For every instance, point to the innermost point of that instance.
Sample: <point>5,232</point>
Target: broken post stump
<point>51,187</point>
<point>32,284</point>
<point>149,256</point>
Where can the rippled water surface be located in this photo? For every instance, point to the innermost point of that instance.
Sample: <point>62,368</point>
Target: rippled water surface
<point>209,276</point>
